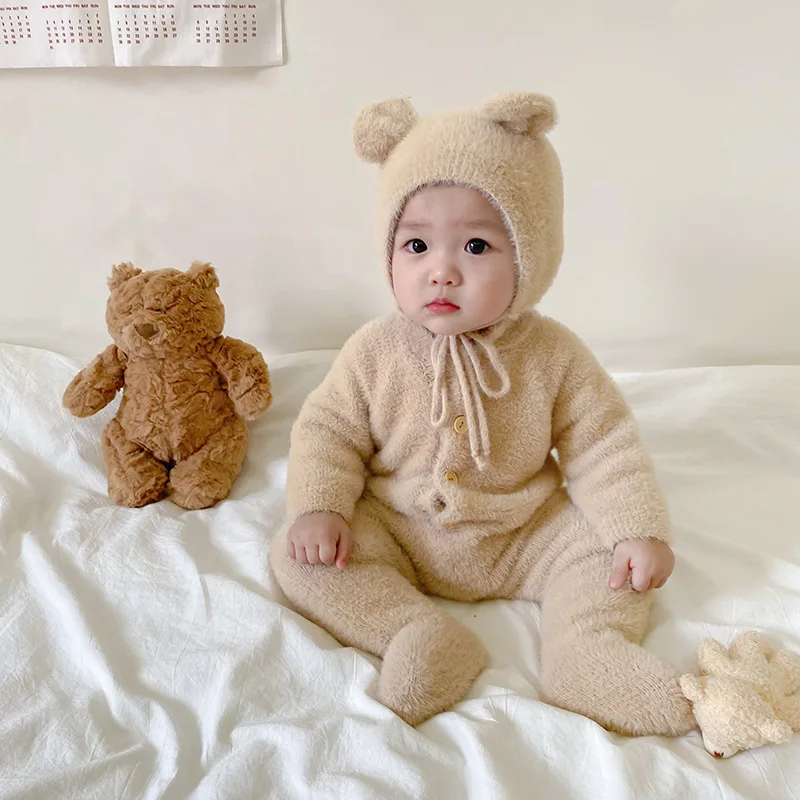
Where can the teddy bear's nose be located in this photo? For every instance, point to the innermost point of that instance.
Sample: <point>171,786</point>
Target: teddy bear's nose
<point>146,330</point>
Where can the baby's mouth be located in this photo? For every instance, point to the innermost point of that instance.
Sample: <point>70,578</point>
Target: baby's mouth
<point>441,305</point>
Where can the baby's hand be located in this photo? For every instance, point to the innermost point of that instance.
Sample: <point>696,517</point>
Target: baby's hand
<point>649,561</point>
<point>323,538</point>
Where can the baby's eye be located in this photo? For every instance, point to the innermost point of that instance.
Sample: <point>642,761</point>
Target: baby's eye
<point>416,246</point>
<point>477,246</point>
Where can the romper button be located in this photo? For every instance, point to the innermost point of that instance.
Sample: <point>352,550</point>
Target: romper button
<point>451,477</point>
<point>460,424</point>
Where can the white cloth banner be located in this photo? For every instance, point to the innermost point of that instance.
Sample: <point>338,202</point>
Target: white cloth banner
<point>145,34</point>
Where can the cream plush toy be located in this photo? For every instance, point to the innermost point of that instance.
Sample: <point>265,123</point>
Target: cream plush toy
<point>745,695</point>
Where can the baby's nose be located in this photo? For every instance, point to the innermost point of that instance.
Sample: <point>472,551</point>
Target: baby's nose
<point>445,274</point>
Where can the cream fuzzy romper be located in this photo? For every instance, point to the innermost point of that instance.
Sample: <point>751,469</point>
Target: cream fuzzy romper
<point>496,464</point>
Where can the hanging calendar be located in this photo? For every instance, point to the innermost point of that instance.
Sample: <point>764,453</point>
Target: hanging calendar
<point>183,33</point>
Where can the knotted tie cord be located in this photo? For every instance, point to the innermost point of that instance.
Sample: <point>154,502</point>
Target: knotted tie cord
<point>472,382</point>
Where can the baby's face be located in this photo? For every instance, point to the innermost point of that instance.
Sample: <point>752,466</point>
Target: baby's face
<point>453,267</point>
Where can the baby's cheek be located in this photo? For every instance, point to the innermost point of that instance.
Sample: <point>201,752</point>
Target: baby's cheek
<point>404,289</point>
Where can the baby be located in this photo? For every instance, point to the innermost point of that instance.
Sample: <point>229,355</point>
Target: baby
<point>467,447</point>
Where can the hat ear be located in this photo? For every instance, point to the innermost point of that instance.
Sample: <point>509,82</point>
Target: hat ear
<point>380,127</point>
<point>523,113</point>
<point>121,273</point>
<point>204,275</point>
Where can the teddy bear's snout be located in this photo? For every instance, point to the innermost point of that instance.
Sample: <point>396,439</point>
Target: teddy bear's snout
<point>146,330</point>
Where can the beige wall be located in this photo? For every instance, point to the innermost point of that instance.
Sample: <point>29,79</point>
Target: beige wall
<point>679,135</point>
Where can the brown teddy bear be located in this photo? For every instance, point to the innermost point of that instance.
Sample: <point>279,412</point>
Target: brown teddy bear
<point>179,428</point>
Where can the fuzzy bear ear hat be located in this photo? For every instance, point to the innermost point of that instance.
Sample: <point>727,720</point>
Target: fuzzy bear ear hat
<point>499,148</point>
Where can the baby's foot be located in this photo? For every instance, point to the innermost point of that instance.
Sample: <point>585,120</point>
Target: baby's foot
<point>428,667</point>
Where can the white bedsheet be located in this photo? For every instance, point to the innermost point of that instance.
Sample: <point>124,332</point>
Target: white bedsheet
<point>145,653</point>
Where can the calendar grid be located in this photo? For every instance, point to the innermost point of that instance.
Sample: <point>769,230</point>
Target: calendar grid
<point>238,26</point>
<point>73,23</point>
<point>138,22</point>
<point>148,32</point>
<point>15,25</point>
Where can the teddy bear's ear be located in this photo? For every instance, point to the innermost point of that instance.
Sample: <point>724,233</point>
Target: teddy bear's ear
<point>712,657</point>
<point>523,113</point>
<point>691,687</point>
<point>203,275</point>
<point>121,273</point>
<point>750,645</point>
<point>380,127</point>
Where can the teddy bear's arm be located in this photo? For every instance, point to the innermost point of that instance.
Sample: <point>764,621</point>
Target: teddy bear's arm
<point>246,375</point>
<point>95,386</point>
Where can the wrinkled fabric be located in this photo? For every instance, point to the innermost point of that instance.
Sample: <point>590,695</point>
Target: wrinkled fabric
<point>145,653</point>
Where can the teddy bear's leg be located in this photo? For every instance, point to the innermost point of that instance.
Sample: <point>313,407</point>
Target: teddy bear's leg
<point>430,660</point>
<point>207,476</point>
<point>135,476</point>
